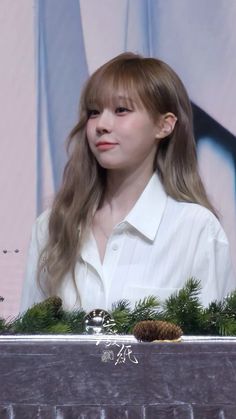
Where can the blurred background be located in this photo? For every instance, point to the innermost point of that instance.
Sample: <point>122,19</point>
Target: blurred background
<point>49,47</point>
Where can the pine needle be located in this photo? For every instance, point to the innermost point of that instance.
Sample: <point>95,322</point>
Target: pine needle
<point>184,308</point>
<point>146,309</point>
<point>2,325</point>
<point>120,313</point>
<point>39,318</point>
<point>74,320</point>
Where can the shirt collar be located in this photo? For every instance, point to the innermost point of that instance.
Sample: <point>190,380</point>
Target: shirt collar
<point>147,213</point>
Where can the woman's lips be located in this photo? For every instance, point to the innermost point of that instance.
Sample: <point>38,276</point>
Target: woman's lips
<point>105,145</point>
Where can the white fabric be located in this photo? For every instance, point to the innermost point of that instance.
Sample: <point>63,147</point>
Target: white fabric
<point>158,246</point>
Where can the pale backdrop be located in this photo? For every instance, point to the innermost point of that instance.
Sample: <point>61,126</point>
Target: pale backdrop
<point>49,47</point>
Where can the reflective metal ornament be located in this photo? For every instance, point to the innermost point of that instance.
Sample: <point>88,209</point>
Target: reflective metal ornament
<point>98,321</point>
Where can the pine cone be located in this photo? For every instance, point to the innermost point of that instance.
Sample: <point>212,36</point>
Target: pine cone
<point>150,330</point>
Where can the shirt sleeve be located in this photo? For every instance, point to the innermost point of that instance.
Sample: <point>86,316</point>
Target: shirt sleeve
<point>221,278</point>
<point>31,292</point>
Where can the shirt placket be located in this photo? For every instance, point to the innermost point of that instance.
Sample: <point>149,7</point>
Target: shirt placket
<point>111,260</point>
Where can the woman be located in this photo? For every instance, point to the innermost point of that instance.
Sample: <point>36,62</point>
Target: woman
<point>131,218</point>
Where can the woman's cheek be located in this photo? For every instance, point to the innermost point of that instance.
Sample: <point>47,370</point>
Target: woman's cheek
<point>89,136</point>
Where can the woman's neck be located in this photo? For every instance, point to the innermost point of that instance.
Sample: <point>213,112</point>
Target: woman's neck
<point>123,190</point>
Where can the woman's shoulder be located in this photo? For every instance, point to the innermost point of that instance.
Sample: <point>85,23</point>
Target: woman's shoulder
<point>40,227</point>
<point>43,218</point>
<point>191,209</point>
<point>199,217</point>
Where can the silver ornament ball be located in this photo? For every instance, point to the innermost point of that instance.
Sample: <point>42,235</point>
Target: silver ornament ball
<point>98,322</point>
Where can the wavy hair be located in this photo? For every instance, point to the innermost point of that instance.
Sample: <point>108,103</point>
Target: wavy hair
<point>152,85</point>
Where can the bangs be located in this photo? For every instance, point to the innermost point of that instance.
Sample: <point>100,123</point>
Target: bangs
<point>116,83</point>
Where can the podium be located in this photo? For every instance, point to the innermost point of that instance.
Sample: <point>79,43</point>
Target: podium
<point>81,377</point>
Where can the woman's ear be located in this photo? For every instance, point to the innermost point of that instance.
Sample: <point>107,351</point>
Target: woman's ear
<point>166,125</point>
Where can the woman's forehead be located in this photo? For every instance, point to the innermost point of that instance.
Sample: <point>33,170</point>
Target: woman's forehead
<point>113,97</point>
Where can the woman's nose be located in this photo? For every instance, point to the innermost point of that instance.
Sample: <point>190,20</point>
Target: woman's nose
<point>104,122</point>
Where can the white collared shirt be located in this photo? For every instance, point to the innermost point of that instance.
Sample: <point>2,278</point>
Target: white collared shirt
<point>153,251</point>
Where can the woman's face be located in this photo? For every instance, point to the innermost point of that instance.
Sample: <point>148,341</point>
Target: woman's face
<point>121,136</point>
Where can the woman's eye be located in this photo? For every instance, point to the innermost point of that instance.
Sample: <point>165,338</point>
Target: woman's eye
<point>122,109</point>
<point>92,113</point>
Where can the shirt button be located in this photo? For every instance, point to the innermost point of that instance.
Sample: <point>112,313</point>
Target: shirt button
<point>115,246</point>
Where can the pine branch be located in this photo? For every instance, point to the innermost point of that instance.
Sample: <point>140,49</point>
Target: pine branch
<point>120,305</point>
<point>227,319</point>
<point>220,317</point>
<point>74,320</point>
<point>184,308</point>
<point>125,318</point>
<point>146,309</point>
<point>120,313</point>
<point>2,325</point>
<point>39,318</point>
<point>59,328</point>
<point>230,305</point>
<point>227,327</point>
<point>2,321</point>
<point>211,318</point>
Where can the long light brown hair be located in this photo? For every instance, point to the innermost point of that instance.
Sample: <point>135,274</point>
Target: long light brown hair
<point>152,84</point>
